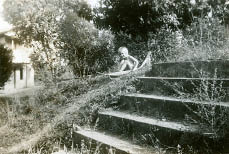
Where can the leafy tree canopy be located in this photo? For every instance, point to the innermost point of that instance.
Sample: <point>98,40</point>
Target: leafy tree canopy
<point>61,29</point>
<point>138,18</point>
<point>5,64</point>
<point>87,49</point>
<point>37,23</point>
<point>37,20</point>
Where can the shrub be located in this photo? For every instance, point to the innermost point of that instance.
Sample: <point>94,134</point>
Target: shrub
<point>213,115</point>
<point>210,95</point>
<point>164,45</point>
<point>6,65</point>
<point>86,49</point>
<point>205,39</point>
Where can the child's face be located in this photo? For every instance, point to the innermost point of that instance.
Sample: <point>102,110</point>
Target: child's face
<point>124,54</point>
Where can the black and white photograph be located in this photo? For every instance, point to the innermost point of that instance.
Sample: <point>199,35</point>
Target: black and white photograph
<point>114,76</point>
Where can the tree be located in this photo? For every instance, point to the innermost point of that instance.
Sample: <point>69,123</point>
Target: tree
<point>139,18</point>
<point>60,29</point>
<point>87,49</point>
<point>37,24</point>
<point>153,25</point>
<point>6,65</point>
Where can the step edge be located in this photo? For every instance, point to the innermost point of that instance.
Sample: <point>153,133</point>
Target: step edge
<point>192,62</point>
<point>121,144</point>
<point>152,121</point>
<point>182,78</point>
<point>169,98</point>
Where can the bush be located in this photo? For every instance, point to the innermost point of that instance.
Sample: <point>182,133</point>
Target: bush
<point>210,112</point>
<point>86,49</point>
<point>205,39</point>
<point>164,45</point>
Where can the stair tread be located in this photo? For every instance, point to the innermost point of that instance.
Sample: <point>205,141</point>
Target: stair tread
<point>182,78</point>
<point>170,98</point>
<point>114,142</point>
<point>155,122</point>
<point>191,61</point>
<point>190,68</point>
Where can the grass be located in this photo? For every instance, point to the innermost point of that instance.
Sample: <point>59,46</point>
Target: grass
<point>43,123</point>
<point>36,123</point>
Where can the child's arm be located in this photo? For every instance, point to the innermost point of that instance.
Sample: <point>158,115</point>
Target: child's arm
<point>135,62</point>
<point>121,66</point>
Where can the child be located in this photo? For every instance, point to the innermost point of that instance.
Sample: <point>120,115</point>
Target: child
<point>128,62</point>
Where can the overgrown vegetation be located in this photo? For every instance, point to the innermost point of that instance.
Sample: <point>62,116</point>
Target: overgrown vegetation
<point>86,49</point>
<point>206,100</point>
<point>171,30</point>
<point>63,36</point>
<point>48,118</point>
<point>213,115</point>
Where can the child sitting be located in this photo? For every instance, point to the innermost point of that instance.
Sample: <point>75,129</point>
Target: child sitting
<point>128,62</point>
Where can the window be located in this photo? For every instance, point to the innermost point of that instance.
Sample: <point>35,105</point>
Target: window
<point>21,73</point>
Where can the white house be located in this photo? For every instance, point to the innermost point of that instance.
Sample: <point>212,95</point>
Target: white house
<point>23,72</point>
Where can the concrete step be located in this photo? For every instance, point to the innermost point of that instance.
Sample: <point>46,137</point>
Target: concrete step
<point>106,143</point>
<point>178,86</point>
<point>191,69</point>
<point>170,108</point>
<point>154,131</point>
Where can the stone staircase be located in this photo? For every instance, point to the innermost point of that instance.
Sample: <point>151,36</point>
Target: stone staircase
<point>158,115</point>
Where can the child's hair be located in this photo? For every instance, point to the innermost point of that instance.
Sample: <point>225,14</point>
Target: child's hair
<point>123,50</point>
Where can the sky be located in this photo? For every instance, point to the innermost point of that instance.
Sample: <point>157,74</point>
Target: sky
<point>6,26</point>
<point>3,24</point>
<point>93,2</point>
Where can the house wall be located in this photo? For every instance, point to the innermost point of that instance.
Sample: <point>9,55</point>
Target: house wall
<point>29,75</point>
<point>20,58</point>
<point>21,53</point>
<point>2,41</point>
<point>20,83</point>
<point>16,82</point>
